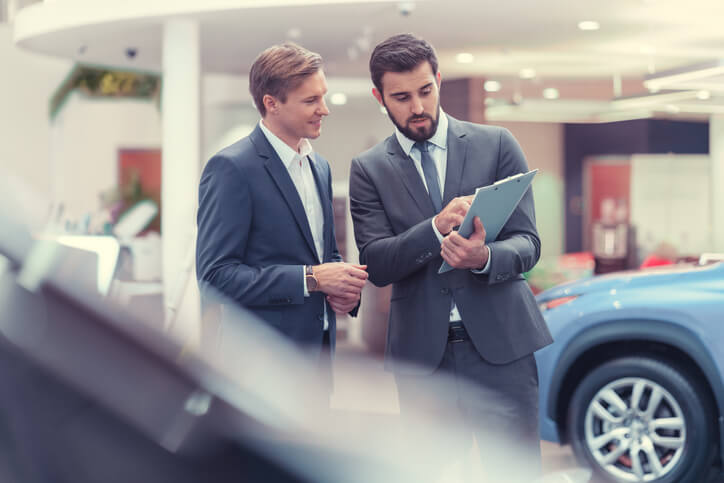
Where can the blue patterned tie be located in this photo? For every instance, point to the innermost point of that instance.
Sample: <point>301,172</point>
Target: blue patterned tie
<point>428,167</point>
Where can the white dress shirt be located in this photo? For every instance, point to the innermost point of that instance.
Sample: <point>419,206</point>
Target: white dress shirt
<point>438,150</point>
<point>297,163</point>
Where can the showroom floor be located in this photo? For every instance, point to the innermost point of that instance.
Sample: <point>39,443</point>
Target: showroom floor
<point>352,394</point>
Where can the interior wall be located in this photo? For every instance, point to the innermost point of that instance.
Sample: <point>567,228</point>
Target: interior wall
<point>26,84</point>
<point>619,138</point>
<point>542,144</point>
<point>87,134</point>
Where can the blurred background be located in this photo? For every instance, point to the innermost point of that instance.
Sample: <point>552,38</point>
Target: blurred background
<point>109,111</point>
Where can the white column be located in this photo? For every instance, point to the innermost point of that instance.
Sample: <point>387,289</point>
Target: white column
<point>716,151</point>
<point>181,114</point>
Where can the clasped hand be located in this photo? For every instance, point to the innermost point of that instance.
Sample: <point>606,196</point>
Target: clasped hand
<point>342,283</point>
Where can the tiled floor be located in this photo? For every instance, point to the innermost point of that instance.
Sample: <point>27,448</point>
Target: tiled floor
<point>352,393</point>
<point>371,390</point>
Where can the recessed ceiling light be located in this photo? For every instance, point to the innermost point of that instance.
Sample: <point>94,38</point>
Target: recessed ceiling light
<point>551,93</point>
<point>464,58</point>
<point>703,95</point>
<point>589,25</point>
<point>492,86</point>
<point>294,33</point>
<point>338,99</point>
<point>527,73</point>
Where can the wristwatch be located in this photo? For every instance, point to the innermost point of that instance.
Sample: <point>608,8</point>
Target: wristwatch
<point>310,279</point>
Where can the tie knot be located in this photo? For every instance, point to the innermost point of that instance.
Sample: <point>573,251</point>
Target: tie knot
<point>422,146</point>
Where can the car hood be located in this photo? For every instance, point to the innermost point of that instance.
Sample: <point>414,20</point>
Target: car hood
<point>628,279</point>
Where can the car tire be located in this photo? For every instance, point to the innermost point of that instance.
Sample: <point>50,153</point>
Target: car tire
<point>673,423</point>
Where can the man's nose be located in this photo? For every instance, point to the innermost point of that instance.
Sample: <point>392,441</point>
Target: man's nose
<point>323,109</point>
<point>417,107</point>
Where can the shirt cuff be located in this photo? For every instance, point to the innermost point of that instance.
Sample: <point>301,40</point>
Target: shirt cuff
<point>304,280</point>
<point>486,268</point>
<point>437,233</point>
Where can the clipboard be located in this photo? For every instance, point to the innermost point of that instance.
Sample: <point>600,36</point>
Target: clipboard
<point>494,204</point>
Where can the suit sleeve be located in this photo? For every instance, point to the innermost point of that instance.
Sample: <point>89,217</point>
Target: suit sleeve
<point>517,248</point>
<point>389,257</point>
<point>336,257</point>
<point>224,220</point>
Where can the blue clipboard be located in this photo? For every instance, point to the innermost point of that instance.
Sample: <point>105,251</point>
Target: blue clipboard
<point>494,204</point>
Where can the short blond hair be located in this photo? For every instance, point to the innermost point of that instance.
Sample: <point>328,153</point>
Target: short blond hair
<point>279,70</point>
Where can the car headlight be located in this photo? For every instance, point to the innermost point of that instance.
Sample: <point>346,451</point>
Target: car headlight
<point>551,304</point>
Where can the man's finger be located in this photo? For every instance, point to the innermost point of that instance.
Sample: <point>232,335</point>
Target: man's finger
<point>358,273</point>
<point>454,239</point>
<point>355,282</point>
<point>478,225</point>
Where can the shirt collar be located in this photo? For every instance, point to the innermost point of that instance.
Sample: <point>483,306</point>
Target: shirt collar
<point>285,153</point>
<point>439,139</point>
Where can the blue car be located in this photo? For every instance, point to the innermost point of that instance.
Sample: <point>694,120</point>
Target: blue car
<point>634,379</point>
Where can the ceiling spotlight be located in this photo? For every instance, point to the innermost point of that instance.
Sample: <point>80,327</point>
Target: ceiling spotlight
<point>464,58</point>
<point>527,73</point>
<point>338,99</point>
<point>406,8</point>
<point>363,43</point>
<point>703,95</point>
<point>294,33</point>
<point>551,93</point>
<point>492,86</point>
<point>589,25</point>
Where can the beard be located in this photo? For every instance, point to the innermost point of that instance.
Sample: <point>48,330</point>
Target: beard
<point>417,133</point>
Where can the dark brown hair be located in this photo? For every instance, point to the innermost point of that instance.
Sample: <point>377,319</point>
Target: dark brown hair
<point>279,70</point>
<point>400,53</point>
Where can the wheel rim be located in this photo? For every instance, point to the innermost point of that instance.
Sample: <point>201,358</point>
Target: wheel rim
<point>635,429</point>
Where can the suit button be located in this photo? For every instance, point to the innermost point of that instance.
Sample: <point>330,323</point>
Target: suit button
<point>288,300</point>
<point>445,291</point>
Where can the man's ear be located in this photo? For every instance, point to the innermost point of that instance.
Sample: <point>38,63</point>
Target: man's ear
<point>270,103</point>
<point>378,96</point>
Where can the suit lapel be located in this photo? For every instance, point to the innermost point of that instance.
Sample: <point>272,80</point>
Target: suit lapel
<point>405,167</point>
<point>457,145</point>
<point>319,181</point>
<point>284,182</point>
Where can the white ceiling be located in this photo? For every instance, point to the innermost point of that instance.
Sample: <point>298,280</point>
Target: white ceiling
<point>636,39</point>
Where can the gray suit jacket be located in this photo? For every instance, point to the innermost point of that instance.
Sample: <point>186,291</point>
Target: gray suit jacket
<point>254,237</point>
<point>392,213</point>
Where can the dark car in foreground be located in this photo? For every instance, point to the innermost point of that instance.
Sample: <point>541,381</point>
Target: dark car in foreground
<point>634,379</point>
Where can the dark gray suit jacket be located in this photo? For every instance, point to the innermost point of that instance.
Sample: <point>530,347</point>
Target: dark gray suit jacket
<point>253,237</point>
<point>392,214</point>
